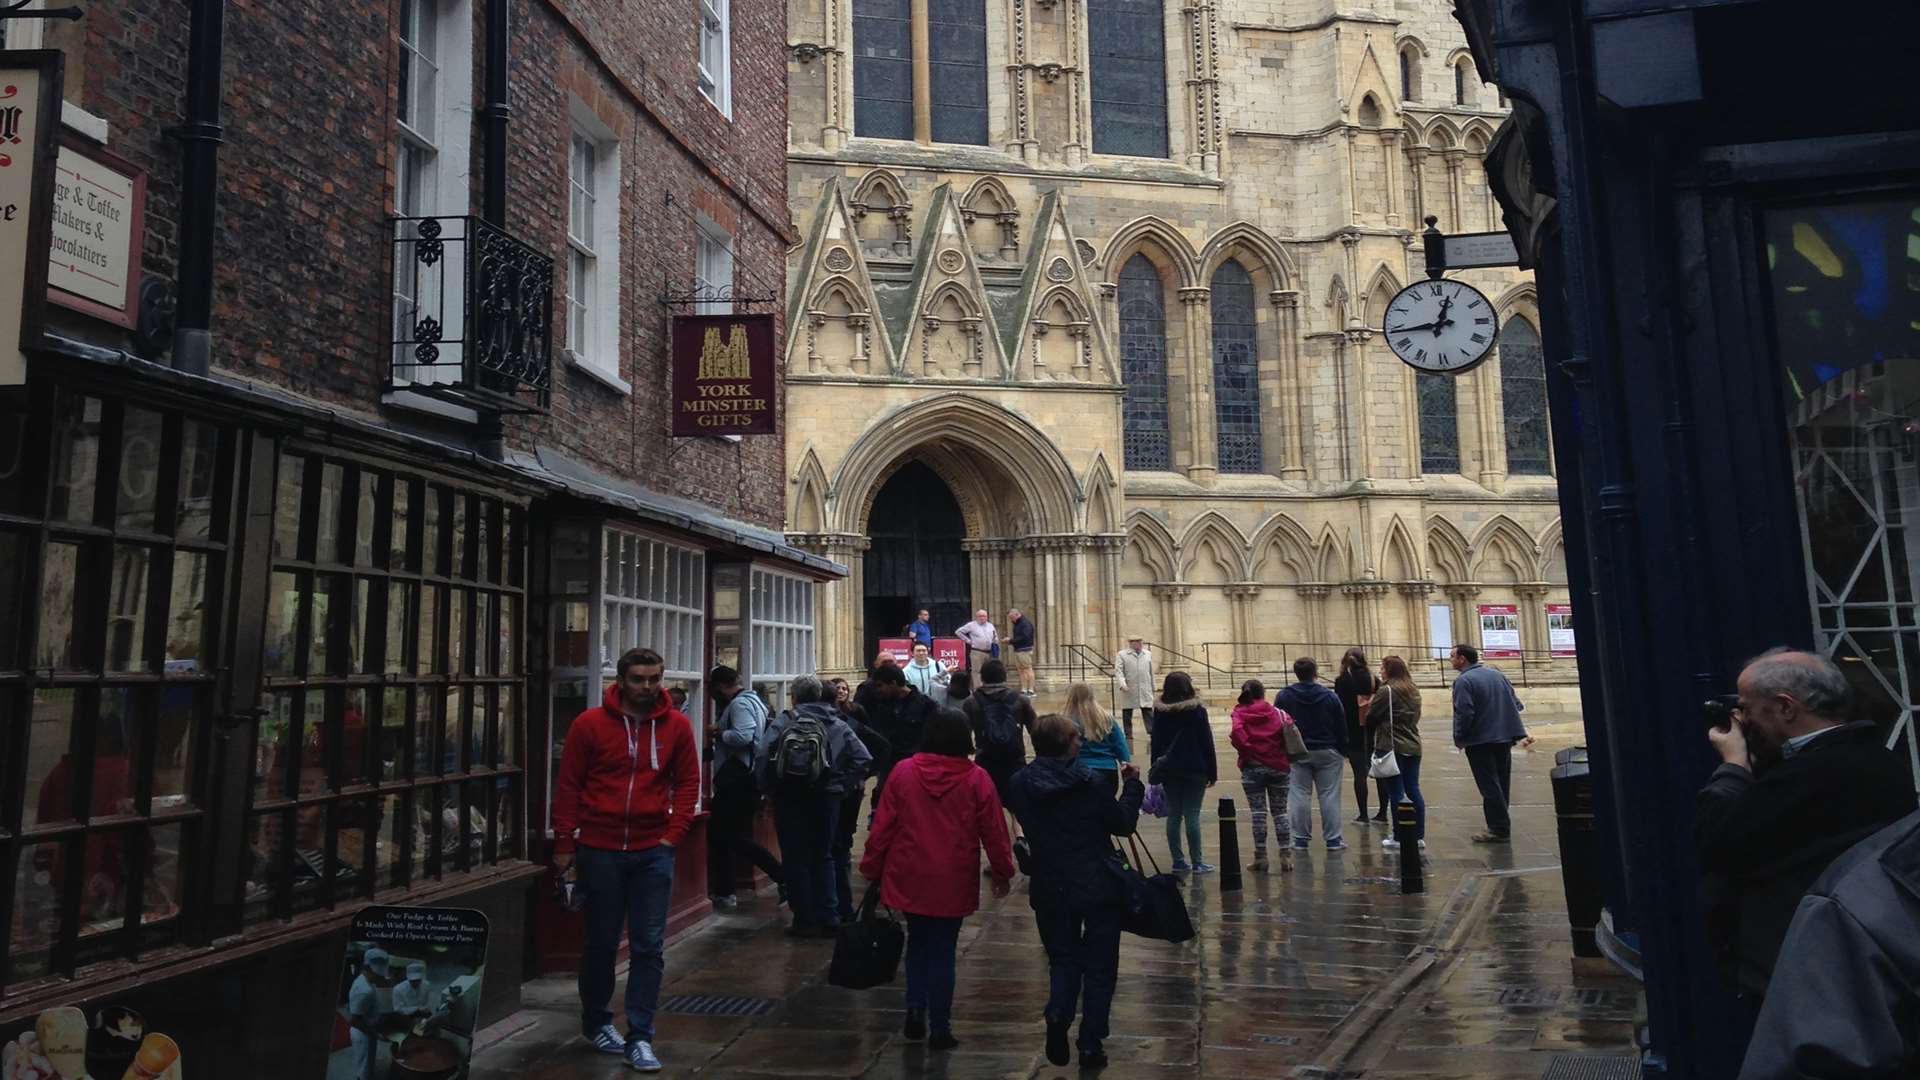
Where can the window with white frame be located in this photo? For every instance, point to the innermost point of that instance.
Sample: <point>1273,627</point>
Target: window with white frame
<point>654,595</point>
<point>593,247</point>
<point>780,614</point>
<point>713,267</point>
<point>716,54</point>
<point>431,170</point>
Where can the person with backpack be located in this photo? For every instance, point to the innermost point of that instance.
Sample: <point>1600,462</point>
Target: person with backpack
<point>1260,735</point>
<point>1071,817</point>
<point>732,738</point>
<point>808,760</point>
<point>1000,716</point>
<point>847,817</point>
<point>898,712</point>
<point>1180,748</point>
<point>938,811</point>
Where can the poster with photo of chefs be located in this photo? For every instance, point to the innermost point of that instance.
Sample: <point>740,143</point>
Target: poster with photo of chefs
<point>71,1043</point>
<point>409,994</point>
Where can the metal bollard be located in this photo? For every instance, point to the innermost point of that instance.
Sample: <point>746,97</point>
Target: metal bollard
<point>1406,831</point>
<point>1229,848</point>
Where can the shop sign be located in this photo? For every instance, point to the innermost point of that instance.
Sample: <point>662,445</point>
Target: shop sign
<point>99,217</point>
<point>411,993</point>
<point>723,381</point>
<point>950,651</point>
<point>29,118</point>
<point>1499,632</point>
<point>1560,630</point>
<point>900,647</point>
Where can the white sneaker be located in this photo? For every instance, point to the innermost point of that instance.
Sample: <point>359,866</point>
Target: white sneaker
<point>1390,844</point>
<point>1423,845</point>
<point>640,1056</point>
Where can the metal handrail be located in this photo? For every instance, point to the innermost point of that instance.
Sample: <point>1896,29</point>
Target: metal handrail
<point>1085,656</point>
<point>1190,662</point>
<point>1417,656</point>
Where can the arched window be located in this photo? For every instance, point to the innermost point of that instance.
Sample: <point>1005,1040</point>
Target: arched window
<point>883,69</point>
<point>957,37</point>
<point>1236,370</point>
<point>1439,423</point>
<point>1523,387</point>
<point>1143,366</point>
<point>1127,48</point>
<point>1409,75</point>
<point>1460,83</point>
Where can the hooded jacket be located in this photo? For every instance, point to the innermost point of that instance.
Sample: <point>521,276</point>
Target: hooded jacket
<point>1322,720</point>
<point>1182,735</point>
<point>935,815</point>
<point>742,723</point>
<point>1000,764</point>
<point>626,784</point>
<point>902,721</point>
<point>847,756</point>
<point>1260,734</point>
<point>1070,818</point>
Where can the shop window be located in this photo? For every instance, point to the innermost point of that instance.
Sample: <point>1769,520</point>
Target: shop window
<point>1439,422</point>
<point>389,755</point>
<point>1127,47</point>
<point>780,614</point>
<point>1143,365</point>
<point>1236,370</point>
<point>110,578</point>
<point>1523,390</point>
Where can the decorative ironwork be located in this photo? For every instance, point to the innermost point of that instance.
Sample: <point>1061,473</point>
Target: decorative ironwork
<point>473,314</point>
<point>701,294</point>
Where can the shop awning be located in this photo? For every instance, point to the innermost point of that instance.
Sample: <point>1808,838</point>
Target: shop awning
<point>670,511</point>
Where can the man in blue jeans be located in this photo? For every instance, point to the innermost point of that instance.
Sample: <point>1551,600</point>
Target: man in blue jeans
<point>628,785</point>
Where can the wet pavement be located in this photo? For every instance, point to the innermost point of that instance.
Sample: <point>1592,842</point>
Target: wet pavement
<point>1327,971</point>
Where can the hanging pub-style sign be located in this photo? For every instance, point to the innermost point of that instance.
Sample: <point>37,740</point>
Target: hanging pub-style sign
<point>30,82</point>
<point>99,222</point>
<point>723,375</point>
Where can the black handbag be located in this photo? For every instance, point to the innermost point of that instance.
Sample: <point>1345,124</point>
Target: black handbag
<point>1150,907</point>
<point>1156,769</point>
<point>867,952</point>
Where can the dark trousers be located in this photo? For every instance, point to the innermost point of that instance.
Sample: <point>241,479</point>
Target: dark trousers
<point>730,830</point>
<point>1492,765</point>
<point>631,887</point>
<point>846,823</point>
<point>1126,721</point>
<point>805,823</point>
<point>1361,759</point>
<point>931,943</point>
<point>1083,962</point>
<point>1112,778</point>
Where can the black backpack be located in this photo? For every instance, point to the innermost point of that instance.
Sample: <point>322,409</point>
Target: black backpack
<point>999,731</point>
<point>802,757</point>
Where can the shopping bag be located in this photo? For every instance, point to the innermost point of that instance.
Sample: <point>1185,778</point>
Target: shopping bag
<point>1155,804</point>
<point>1151,907</point>
<point>867,952</point>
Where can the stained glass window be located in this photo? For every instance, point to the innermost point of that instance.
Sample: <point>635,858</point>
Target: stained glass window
<point>883,69</point>
<point>1523,385</point>
<point>1439,423</point>
<point>1236,370</point>
<point>957,32</point>
<point>1143,365</point>
<point>1127,44</point>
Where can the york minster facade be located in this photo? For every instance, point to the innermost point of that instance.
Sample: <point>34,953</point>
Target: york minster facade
<point>1084,320</point>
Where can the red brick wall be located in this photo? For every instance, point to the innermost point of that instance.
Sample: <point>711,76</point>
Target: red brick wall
<point>302,288</point>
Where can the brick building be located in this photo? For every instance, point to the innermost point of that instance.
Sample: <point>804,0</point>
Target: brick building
<point>323,516</point>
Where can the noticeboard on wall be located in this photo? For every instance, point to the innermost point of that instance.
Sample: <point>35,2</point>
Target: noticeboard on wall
<point>1560,630</point>
<point>1499,632</point>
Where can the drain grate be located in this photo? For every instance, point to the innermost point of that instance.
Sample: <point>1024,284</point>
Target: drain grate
<point>717,1005</point>
<point>1278,1040</point>
<point>1593,1067</point>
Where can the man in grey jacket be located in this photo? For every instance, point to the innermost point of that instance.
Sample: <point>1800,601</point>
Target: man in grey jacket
<point>731,739</point>
<point>1846,990</point>
<point>1486,724</point>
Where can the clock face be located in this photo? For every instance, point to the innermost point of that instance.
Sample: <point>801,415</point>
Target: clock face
<point>1440,326</point>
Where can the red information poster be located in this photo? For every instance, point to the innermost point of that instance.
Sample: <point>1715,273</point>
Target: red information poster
<point>1560,629</point>
<point>900,647</point>
<point>1499,632</point>
<point>950,651</point>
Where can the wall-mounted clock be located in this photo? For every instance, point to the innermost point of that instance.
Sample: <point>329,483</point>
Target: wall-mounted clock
<point>1441,326</point>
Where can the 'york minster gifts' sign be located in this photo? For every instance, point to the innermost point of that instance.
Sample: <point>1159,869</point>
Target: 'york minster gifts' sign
<point>29,114</point>
<point>723,375</point>
<point>98,213</point>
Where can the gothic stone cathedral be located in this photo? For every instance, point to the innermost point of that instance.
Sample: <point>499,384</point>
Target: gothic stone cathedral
<point>1084,320</point>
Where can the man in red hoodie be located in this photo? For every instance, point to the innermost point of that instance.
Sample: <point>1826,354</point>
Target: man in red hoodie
<point>629,781</point>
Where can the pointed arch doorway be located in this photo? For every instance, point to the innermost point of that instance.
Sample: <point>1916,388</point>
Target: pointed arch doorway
<point>915,559</point>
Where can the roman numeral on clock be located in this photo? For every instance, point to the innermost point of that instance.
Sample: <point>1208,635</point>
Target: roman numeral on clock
<point>1405,343</point>
<point>1476,303</point>
<point>1420,355</point>
<point>1479,339</point>
<point>1483,321</point>
<point>1434,290</point>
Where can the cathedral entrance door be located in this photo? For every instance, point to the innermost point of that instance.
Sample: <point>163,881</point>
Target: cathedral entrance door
<point>915,560</point>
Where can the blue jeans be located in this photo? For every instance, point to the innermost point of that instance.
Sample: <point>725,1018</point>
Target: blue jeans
<point>931,942</point>
<point>1083,954</point>
<point>1184,794</point>
<point>805,824</point>
<point>634,887</point>
<point>1408,783</point>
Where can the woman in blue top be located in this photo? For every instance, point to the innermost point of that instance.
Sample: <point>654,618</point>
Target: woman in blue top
<point>1103,746</point>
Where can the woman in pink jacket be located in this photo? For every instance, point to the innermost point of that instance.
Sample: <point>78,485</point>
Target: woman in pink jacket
<point>1260,735</point>
<point>936,813</point>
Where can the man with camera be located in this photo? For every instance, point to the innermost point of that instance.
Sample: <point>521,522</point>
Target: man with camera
<point>1798,786</point>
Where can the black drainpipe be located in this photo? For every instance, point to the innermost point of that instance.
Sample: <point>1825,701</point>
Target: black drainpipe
<point>200,137</point>
<point>493,207</point>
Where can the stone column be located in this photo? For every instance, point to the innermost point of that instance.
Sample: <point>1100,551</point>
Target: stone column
<point>1466,620</point>
<point>1360,429</point>
<point>1365,596</point>
<point>1293,390</point>
<point>1455,158</point>
<point>1106,552</point>
<point>838,605</point>
<point>1390,153</point>
<point>1202,447</point>
<point>1242,595</point>
<point>1173,612</point>
<point>1533,615</point>
<point>1417,157</point>
<point>1414,595</point>
<point>922,71</point>
<point>1315,594</point>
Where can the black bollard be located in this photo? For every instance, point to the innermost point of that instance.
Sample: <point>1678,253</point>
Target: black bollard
<point>1229,848</point>
<point>1406,832</point>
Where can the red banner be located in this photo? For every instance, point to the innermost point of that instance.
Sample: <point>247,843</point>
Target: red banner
<point>723,380</point>
<point>900,647</point>
<point>950,651</point>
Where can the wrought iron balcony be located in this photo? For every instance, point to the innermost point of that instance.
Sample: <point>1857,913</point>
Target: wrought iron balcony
<point>472,314</point>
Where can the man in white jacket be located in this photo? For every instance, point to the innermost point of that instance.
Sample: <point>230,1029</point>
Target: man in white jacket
<point>1133,677</point>
<point>927,675</point>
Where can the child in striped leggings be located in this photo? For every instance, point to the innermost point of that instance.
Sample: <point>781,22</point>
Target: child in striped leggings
<point>1259,734</point>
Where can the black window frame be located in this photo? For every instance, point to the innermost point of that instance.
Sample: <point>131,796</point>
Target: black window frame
<point>1127,51</point>
<point>1236,370</point>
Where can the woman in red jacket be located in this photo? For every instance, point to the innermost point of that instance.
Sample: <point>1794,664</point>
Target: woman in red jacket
<point>936,813</point>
